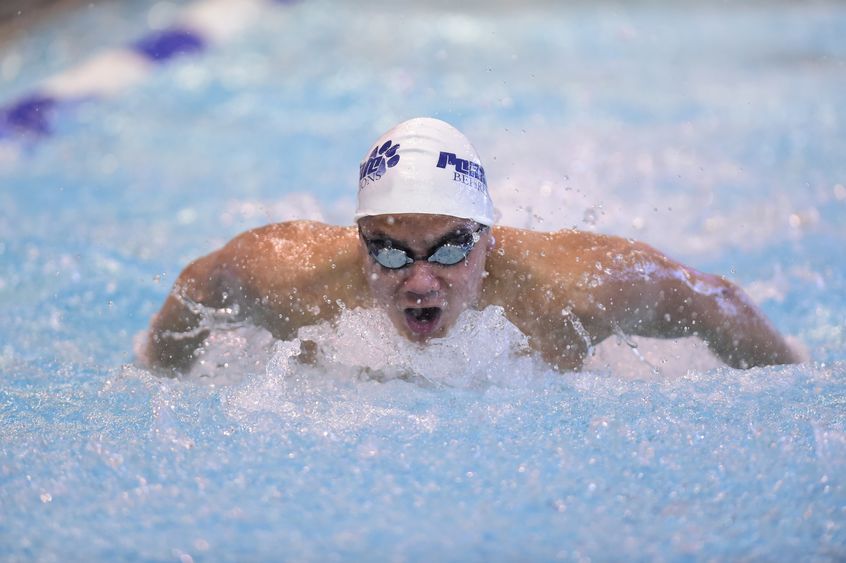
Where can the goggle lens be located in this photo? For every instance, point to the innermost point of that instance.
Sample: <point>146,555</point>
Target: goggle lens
<point>392,258</point>
<point>450,254</point>
<point>447,254</point>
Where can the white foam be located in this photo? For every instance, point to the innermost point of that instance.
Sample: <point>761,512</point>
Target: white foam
<point>233,353</point>
<point>637,357</point>
<point>483,350</point>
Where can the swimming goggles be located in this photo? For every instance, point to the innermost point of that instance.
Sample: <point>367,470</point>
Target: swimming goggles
<point>450,251</point>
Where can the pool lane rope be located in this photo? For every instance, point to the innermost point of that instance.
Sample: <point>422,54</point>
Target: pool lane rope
<point>195,29</point>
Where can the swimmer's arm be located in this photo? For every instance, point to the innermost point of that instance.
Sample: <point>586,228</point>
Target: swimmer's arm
<point>176,331</point>
<point>675,301</point>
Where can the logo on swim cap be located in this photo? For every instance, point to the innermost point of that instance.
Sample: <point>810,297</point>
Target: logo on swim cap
<point>467,172</point>
<point>378,162</point>
<point>440,174</point>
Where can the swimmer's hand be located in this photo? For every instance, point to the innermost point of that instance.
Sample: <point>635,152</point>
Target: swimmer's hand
<point>308,352</point>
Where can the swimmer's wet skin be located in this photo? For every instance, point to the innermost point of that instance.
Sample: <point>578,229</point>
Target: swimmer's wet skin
<point>422,193</point>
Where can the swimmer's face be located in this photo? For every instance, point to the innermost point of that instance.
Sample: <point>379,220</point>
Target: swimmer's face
<point>424,299</point>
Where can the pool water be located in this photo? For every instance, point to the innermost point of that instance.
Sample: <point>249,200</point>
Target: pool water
<point>713,132</point>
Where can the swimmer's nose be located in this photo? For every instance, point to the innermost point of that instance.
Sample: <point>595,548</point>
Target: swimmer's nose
<point>421,279</point>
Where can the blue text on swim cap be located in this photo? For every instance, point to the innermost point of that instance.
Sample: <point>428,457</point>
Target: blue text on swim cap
<point>464,170</point>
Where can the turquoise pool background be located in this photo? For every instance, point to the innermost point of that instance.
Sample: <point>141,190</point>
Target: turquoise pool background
<point>714,132</point>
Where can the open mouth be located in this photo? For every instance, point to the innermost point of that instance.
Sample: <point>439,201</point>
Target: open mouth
<point>422,320</point>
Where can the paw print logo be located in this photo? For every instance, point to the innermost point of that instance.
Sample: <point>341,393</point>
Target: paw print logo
<point>382,158</point>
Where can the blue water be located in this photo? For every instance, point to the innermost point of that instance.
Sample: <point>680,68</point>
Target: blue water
<point>713,132</point>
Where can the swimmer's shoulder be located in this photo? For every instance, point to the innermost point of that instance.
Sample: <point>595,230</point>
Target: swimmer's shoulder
<point>529,265</point>
<point>288,239</point>
<point>292,249</point>
<point>271,260</point>
<point>566,267</point>
<point>568,246</point>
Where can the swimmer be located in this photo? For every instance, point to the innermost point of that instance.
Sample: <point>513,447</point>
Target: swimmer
<point>425,248</point>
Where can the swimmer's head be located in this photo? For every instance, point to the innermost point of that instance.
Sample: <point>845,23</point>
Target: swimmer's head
<point>424,270</point>
<point>427,166</point>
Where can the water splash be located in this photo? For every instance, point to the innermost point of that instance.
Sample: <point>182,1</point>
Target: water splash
<point>482,349</point>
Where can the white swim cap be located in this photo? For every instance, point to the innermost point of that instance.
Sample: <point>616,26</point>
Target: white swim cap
<point>424,165</point>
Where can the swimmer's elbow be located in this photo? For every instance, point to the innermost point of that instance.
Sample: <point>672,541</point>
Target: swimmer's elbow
<point>199,279</point>
<point>210,281</point>
<point>176,331</point>
<point>171,350</point>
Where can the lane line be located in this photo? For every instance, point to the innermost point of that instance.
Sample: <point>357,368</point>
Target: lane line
<point>198,27</point>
